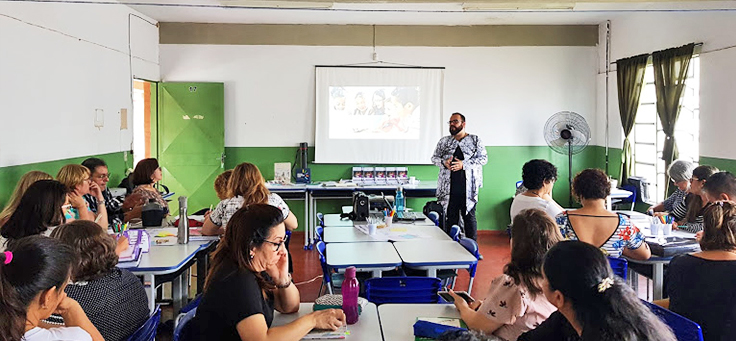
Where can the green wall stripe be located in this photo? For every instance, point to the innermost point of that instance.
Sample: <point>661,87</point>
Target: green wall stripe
<point>500,176</point>
<point>722,164</point>
<point>10,175</point>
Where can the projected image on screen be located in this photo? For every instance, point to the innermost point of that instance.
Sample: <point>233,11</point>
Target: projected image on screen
<point>374,112</point>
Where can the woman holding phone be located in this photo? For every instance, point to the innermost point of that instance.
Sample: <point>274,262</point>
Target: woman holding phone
<point>515,302</point>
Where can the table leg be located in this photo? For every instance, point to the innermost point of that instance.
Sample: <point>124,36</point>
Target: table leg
<point>308,223</point>
<point>658,280</point>
<point>176,293</point>
<point>151,291</point>
<point>431,272</point>
<point>202,267</point>
<point>307,217</point>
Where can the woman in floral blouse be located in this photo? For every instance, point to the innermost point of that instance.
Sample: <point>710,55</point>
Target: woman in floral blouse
<point>612,232</point>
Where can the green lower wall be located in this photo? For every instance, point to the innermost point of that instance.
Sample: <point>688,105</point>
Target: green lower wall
<point>9,176</point>
<point>500,176</point>
<point>722,164</point>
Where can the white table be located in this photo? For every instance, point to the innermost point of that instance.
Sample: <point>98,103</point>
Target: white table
<point>368,327</point>
<point>617,193</point>
<point>167,259</point>
<point>432,255</point>
<point>397,320</point>
<point>333,220</point>
<point>374,256</point>
<point>353,235</point>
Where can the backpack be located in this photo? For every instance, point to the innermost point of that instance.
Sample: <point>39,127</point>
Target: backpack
<point>436,207</point>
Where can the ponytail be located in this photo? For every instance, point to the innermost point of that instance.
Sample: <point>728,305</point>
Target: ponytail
<point>30,266</point>
<point>12,311</point>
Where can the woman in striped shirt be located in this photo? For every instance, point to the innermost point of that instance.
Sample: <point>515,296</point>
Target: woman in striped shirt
<point>612,232</point>
<point>689,213</point>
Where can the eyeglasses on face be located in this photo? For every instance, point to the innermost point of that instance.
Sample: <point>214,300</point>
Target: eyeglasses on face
<point>454,122</point>
<point>277,245</point>
<point>102,176</point>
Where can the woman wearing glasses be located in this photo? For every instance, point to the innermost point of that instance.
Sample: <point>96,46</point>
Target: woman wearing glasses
<point>249,279</point>
<point>77,181</point>
<point>689,213</point>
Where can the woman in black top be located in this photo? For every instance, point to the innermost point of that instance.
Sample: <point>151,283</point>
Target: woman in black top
<point>249,278</point>
<point>597,305</point>
<point>700,285</point>
<point>114,299</point>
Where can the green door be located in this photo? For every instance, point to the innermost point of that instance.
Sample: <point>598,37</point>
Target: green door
<point>191,140</point>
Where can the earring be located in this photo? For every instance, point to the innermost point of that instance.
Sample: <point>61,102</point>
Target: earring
<point>251,256</point>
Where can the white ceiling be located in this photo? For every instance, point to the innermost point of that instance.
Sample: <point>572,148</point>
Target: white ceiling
<point>409,12</point>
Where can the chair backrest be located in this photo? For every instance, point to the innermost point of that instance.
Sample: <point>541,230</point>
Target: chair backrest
<point>455,232</point>
<point>320,232</point>
<point>147,332</point>
<point>633,189</point>
<point>191,305</point>
<point>518,184</point>
<point>684,329</point>
<point>321,248</point>
<point>434,217</point>
<point>321,219</point>
<point>183,320</point>
<point>381,290</point>
<point>620,266</point>
<point>470,245</point>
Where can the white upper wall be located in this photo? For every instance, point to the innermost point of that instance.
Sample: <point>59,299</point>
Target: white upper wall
<point>507,93</point>
<point>638,33</point>
<point>58,63</point>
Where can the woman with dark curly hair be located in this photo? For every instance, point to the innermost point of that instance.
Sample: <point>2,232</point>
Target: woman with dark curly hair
<point>113,298</point>
<point>612,232</point>
<point>539,178</point>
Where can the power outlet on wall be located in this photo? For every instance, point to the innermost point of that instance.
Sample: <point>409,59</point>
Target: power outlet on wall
<point>99,118</point>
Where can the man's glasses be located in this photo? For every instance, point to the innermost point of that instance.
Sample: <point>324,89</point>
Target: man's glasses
<point>102,176</point>
<point>454,122</point>
<point>277,245</point>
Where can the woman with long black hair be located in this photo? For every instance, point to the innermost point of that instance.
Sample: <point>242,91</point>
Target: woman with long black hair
<point>592,303</point>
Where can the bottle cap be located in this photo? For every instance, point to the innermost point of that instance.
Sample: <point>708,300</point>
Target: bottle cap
<point>350,271</point>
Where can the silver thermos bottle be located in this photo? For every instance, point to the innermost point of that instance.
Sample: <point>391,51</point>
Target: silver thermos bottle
<point>183,234</point>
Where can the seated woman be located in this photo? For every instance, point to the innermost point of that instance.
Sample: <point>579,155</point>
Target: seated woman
<point>25,181</point>
<point>246,186</point>
<point>44,206</point>
<point>221,184</point>
<point>77,180</point>
<point>539,178</point>
<point>146,174</point>
<point>700,285</point>
<point>33,275</point>
<point>612,232</point>
<point>592,303</point>
<point>248,279</point>
<point>680,171</point>
<point>519,288</point>
<point>689,213</point>
<point>114,299</point>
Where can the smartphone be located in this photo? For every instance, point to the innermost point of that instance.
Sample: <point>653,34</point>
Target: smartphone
<point>463,294</point>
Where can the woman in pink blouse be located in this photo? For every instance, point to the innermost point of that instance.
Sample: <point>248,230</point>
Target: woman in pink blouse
<point>515,302</point>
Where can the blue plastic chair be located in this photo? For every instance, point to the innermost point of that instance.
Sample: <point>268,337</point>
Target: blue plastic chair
<point>193,304</point>
<point>472,247</point>
<point>326,271</point>
<point>631,199</point>
<point>434,217</point>
<point>684,329</point>
<point>620,266</point>
<point>183,319</point>
<point>455,232</point>
<point>147,332</point>
<point>320,233</point>
<point>321,219</point>
<point>402,290</point>
<point>518,184</point>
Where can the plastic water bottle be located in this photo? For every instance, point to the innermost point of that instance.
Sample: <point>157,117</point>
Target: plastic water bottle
<point>400,200</point>
<point>350,290</point>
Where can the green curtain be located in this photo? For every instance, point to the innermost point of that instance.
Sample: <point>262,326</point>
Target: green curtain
<point>670,72</point>
<point>630,77</point>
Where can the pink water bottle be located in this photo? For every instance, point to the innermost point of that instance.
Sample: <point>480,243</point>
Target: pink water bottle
<point>350,290</point>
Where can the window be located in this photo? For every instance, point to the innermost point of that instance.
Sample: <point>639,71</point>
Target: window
<point>648,137</point>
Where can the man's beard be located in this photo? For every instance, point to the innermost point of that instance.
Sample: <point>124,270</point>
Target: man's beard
<point>454,130</point>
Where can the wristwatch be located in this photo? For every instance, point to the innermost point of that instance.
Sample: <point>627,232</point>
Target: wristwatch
<point>284,286</point>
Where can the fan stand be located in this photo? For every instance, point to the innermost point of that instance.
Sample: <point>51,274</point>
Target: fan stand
<point>569,169</point>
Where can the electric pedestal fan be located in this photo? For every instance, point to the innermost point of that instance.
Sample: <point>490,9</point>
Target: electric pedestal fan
<point>567,133</point>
